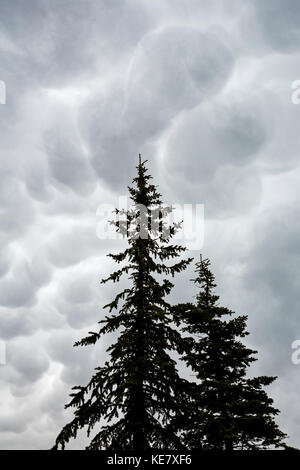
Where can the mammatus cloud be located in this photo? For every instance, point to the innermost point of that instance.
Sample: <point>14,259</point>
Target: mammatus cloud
<point>203,91</point>
<point>138,112</point>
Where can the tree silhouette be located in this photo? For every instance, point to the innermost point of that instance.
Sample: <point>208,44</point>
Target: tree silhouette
<point>136,392</point>
<point>226,410</point>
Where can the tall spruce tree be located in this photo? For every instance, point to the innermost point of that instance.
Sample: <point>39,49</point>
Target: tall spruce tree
<point>227,410</point>
<point>136,392</point>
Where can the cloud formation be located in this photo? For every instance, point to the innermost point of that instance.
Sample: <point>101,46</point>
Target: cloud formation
<point>203,90</point>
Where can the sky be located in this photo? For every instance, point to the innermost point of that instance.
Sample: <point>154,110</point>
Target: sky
<point>204,91</point>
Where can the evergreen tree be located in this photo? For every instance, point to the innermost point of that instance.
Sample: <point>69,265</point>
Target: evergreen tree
<point>227,410</point>
<point>136,392</point>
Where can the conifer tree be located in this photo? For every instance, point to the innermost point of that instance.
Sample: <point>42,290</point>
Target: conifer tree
<point>227,410</point>
<point>135,393</point>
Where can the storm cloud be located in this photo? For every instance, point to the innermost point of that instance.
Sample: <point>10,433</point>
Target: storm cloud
<point>203,91</point>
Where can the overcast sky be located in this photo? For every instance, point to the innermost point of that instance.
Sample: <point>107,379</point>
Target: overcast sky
<point>203,90</point>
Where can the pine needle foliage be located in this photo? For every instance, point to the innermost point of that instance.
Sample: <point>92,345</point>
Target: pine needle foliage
<point>131,401</point>
<point>227,410</point>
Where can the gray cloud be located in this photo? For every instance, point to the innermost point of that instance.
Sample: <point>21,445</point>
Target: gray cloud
<point>221,142</point>
<point>130,117</point>
<point>19,286</point>
<point>17,210</point>
<point>203,91</point>
<point>280,24</point>
<point>275,270</point>
<point>27,361</point>
<point>15,323</point>
<point>67,164</point>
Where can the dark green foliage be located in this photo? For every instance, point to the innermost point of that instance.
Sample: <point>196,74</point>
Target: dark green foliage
<point>226,410</point>
<point>136,393</point>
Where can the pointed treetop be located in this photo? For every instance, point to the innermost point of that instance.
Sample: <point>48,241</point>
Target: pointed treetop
<point>140,159</point>
<point>139,380</point>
